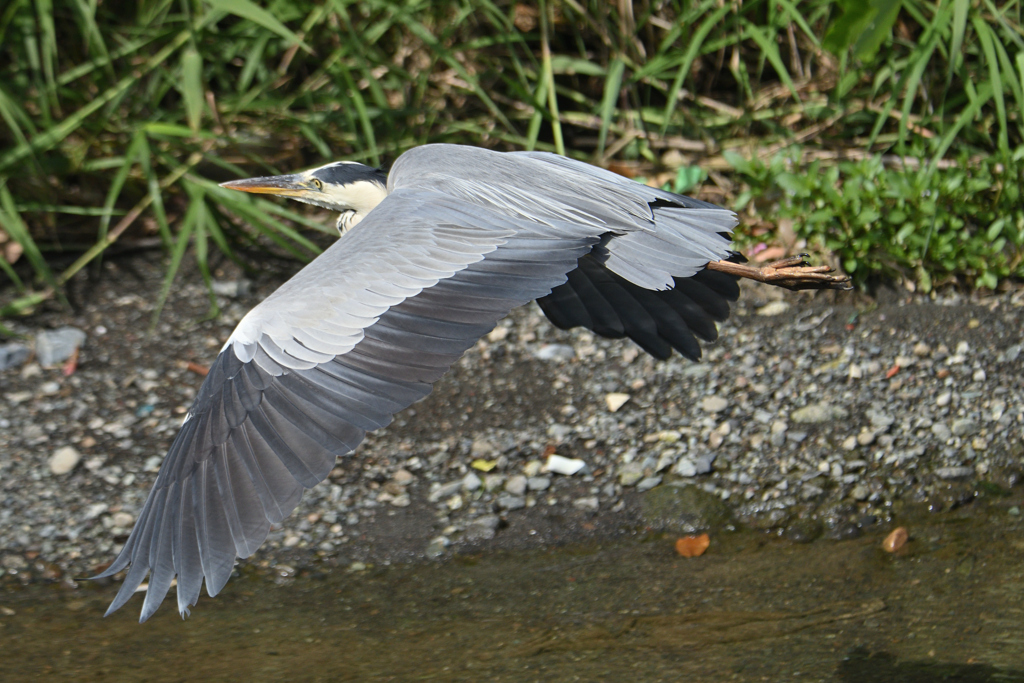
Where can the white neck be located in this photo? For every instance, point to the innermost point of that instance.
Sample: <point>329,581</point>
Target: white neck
<point>347,220</point>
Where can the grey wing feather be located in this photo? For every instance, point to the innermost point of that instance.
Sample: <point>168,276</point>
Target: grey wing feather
<point>269,422</point>
<point>658,236</point>
<point>363,331</point>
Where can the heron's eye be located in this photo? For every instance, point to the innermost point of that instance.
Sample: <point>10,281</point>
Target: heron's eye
<point>319,185</point>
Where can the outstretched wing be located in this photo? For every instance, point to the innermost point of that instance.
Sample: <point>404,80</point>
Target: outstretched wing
<point>357,335</point>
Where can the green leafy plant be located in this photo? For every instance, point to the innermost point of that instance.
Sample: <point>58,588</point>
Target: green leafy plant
<point>965,220</point>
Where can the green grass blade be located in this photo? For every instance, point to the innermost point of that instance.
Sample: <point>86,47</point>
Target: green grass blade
<point>612,89</point>
<point>10,221</point>
<point>966,116</point>
<point>985,37</point>
<point>913,80</point>
<point>184,234</point>
<point>258,15</point>
<point>362,113</point>
<point>693,48</point>
<point>956,58</point>
<point>203,219</point>
<point>771,52</point>
<point>119,179</point>
<point>549,79</point>
<point>11,274</point>
<point>540,95</point>
<point>1010,79</point>
<point>48,47</point>
<point>191,87</point>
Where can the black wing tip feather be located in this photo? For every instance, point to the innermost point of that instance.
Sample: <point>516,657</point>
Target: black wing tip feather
<point>604,302</point>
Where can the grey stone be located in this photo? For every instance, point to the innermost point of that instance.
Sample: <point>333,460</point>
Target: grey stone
<point>685,468</point>
<point>630,473</point>
<point>589,503</point>
<point>964,427</point>
<point>13,354</point>
<point>231,288</point>
<point>445,491</point>
<point>538,483</point>
<point>684,509</point>
<point>482,448</point>
<point>482,529</point>
<point>434,549</point>
<point>648,483</point>
<point>714,404</point>
<point>560,432</point>
<point>817,413</point>
<point>508,502</point>
<point>702,463</point>
<point>558,352</point>
<point>94,511</point>
<point>954,472</point>
<point>804,530</point>
<point>516,485</point>
<point>122,519</point>
<point>56,346</point>
<point>880,420</point>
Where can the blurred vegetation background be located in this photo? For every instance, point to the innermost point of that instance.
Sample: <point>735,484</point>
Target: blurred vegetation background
<point>887,133</point>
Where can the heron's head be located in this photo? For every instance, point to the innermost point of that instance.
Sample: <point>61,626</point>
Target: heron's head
<point>348,187</point>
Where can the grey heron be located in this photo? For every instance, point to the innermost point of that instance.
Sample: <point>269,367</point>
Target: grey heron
<point>431,256</point>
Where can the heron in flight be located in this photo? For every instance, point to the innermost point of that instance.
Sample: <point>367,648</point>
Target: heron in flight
<point>431,256</point>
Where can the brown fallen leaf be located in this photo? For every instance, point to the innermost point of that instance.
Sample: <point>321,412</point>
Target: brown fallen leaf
<point>770,254</point>
<point>71,364</point>
<point>895,540</point>
<point>201,370</point>
<point>693,546</point>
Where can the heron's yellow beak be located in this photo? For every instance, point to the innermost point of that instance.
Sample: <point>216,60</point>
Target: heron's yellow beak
<point>294,185</point>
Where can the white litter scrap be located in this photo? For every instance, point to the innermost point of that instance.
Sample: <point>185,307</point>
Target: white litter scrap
<point>616,401</point>
<point>562,465</point>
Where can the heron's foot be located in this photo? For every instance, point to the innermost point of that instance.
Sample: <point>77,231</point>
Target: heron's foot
<point>792,273</point>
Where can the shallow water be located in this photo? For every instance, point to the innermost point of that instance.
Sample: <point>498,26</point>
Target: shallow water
<point>754,607</point>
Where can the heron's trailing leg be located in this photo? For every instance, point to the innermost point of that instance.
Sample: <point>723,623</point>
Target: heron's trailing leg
<point>792,273</point>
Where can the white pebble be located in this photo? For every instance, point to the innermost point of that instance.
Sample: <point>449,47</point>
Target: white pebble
<point>773,308</point>
<point>714,404</point>
<point>590,503</point>
<point>866,437</point>
<point>122,519</point>
<point>64,460</point>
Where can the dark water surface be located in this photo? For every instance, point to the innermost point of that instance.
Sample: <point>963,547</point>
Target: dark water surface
<point>949,607</point>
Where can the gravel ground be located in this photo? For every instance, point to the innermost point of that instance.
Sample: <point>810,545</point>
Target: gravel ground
<point>814,415</point>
